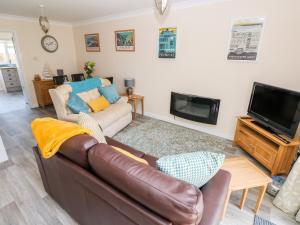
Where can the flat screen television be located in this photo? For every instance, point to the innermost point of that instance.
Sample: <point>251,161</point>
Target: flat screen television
<point>276,108</point>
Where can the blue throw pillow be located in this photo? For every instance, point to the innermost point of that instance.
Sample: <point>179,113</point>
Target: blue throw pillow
<point>196,168</point>
<point>76,104</point>
<point>110,93</point>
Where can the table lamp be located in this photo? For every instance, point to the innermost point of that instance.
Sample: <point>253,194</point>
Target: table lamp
<point>129,83</point>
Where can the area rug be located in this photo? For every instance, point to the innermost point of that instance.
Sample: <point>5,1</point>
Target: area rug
<point>160,138</point>
<point>260,221</point>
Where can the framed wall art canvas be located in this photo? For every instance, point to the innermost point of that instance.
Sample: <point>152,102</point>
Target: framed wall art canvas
<point>92,43</point>
<point>125,40</point>
<point>245,39</point>
<point>167,42</point>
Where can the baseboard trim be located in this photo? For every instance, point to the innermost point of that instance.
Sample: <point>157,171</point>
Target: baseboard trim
<point>187,125</point>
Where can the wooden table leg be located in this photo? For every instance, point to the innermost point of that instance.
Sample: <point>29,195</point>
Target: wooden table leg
<point>226,204</point>
<point>143,106</point>
<point>260,197</point>
<point>244,197</point>
<point>134,108</point>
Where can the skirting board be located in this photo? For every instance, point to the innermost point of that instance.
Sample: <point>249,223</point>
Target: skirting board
<point>3,155</point>
<point>187,125</point>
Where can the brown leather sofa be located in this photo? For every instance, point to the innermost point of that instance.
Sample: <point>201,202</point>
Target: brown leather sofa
<point>97,185</point>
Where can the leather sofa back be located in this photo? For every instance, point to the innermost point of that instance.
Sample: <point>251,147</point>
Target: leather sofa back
<point>175,200</point>
<point>76,149</point>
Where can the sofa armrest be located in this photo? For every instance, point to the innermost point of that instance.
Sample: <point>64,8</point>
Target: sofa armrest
<point>70,117</point>
<point>123,99</point>
<point>214,195</point>
<point>59,97</point>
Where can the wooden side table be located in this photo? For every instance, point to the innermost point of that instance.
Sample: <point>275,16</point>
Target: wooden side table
<point>245,175</point>
<point>134,99</point>
<point>42,91</point>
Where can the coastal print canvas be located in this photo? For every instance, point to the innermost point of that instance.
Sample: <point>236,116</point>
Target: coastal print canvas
<point>125,40</point>
<point>92,42</point>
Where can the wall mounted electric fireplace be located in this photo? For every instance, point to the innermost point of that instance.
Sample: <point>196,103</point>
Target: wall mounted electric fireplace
<point>195,108</point>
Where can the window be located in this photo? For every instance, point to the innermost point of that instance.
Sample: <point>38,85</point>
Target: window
<point>7,52</point>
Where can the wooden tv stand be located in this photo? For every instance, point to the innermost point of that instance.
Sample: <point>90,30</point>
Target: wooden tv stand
<point>274,154</point>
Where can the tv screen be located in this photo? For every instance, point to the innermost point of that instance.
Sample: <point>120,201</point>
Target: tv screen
<point>276,108</point>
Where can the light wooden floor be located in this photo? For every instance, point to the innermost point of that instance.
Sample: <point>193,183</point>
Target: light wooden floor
<point>23,200</point>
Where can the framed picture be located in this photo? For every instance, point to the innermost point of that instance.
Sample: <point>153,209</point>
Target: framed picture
<point>245,39</point>
<point>92,43</point>
<point>125,40</point>
<point>167,42</point>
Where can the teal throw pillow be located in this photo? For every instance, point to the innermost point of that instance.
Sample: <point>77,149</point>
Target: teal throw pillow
<point>76,104</point>
<point>110,93</point>
<point>196,168</point>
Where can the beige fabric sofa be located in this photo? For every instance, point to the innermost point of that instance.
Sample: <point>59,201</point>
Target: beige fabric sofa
<point>111,120</point>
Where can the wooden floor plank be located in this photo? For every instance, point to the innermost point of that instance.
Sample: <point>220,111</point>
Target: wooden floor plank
<point>11,215</point>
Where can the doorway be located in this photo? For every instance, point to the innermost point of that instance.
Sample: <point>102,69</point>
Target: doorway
<point>11,93</point>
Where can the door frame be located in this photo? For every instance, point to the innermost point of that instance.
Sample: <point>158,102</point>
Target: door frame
<point>20,68</point>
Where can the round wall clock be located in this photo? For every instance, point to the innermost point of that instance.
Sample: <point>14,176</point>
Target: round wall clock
<point>49,43</point>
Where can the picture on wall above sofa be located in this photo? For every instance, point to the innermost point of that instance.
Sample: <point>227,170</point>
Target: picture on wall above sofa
<point>245,38</point>
<point>125,40</point>
<point>167,42</point>
<point>92,43</point>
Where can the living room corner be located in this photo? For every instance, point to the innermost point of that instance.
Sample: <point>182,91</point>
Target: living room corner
<point>150,112</point>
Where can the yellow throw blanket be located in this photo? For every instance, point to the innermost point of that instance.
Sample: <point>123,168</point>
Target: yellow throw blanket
<point>51,133</point>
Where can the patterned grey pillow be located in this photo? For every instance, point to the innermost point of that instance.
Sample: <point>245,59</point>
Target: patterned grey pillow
<point>88,122</point>
<point>196,168</point>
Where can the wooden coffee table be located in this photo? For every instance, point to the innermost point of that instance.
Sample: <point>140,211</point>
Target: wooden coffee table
<point>245,175</point>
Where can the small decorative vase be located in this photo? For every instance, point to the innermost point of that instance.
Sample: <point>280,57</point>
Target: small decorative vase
<point>129,91</point>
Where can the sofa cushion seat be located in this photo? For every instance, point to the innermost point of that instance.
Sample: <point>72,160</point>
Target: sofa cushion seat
<point>175,200</point>
<point>111,114</point>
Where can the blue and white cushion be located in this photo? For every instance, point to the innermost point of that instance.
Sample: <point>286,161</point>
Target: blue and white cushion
<point>196,168</point>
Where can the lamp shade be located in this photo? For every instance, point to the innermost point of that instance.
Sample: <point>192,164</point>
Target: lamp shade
<point>129,82</point>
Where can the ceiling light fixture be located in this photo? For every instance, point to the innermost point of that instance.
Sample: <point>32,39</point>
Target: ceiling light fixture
<point>161,5</point>
<point>44,23</point>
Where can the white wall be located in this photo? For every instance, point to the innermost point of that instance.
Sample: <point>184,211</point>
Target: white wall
<point>33,56</point>
<point>200,67</point>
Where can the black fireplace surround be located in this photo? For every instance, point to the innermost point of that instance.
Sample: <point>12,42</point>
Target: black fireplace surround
<point>195,108</point>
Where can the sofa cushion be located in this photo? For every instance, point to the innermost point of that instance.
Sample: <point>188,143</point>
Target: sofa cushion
<point>110,93</point>
<point>105,82</point>
<point>111,114</point>
<point>88,122</point>
<point>76,148</point>
<point>77,105</point>
<point>98,104</point>
<point>196,168</point>
<point>175,200</point>
<point>89,95</point>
